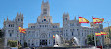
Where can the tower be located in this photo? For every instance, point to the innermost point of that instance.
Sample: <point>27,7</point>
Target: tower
<point>19,20</point>
<point>65,17</point>
<point>45,8</point>
<point>45,13</point>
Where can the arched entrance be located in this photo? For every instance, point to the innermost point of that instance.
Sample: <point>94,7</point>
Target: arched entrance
<point>43,39</point>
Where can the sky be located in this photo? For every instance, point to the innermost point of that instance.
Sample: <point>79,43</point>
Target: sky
<point>31,9</point>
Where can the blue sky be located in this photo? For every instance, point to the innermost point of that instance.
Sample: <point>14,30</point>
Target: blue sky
<point>31,9</point>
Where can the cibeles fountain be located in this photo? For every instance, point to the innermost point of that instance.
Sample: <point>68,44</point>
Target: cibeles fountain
<point>76,41</point>
<point>60,42</point>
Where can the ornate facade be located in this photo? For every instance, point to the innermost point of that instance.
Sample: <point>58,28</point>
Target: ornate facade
<point>41,33</point>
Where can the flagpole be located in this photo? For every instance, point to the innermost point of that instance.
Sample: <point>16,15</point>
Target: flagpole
<point>79,40</point>
<point>94,35</point>
<point>95,40</point>
<point>109,33</point>
<point>101,42</point>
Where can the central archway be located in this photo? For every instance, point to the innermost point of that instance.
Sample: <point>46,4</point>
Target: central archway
<point>43,39</point>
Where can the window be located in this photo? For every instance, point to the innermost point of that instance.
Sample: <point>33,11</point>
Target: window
<point>66,30</point>
<point>72,33</point>
<point>37,34</point>
<point>18,19</point>
<point>82,34</point>
<point>45,25</point>
<point>77,29</point>
<point>49,41</point>
<point>71,24</point>
<point>73,29</point>
<point>10,34</point>
<point>9,25</point>
<point>65,18</point>
<point>36,43</point>
<point>53,42</point>
<point>49,35</point>
<point>21,19</point>
<point>54,26</point>
<point>42,20</point>
<point>77,24</point>
<point>49,20</point>
<point>8,30</point>
<point>66,34</point>
<point>40,25</point>
<point>13,25</point>
<point>32,26</point>
<point>45,9</point>
<point>45,13</point>
<point>28,41</point>
<point>12,31</point>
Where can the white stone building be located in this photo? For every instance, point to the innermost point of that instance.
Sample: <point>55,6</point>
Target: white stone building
<point>41,33</point>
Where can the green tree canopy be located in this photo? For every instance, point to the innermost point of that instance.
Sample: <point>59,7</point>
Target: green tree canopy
<point>12,43</point>
<point>90,39</point>
<point>1,33</point>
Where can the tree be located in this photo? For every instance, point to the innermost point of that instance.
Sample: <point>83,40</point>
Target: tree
<point>12,43</point>
<point>25,44</point>
<point>90,39</point>
<point>1,33</point>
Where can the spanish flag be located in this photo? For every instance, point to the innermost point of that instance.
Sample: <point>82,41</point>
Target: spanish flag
<point>103,33</point>
<point>98,20</point>
<point>97,34</point>
<point>53,36</point>
<point>22,30</point>
<point>83,20</point>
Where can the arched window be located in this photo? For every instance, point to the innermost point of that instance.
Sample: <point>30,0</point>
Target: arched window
<point>43,35</point>
<point>9,25</point>
<point>18,19</point>
<point>49,41</point>
<point>49,35</point>
<point>21,19</point>
<point>49,20</point>
<point>65,18</point>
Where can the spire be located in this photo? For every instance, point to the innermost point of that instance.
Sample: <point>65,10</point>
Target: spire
<point>47,1</point>
<point>75,18</point>
<point>64,14</point>
<point>67,14</point>
<point>7,17</point>
<point>17,14</point>
<point>42,1</point>
<point>20,13</point>
<point>4,19</point>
